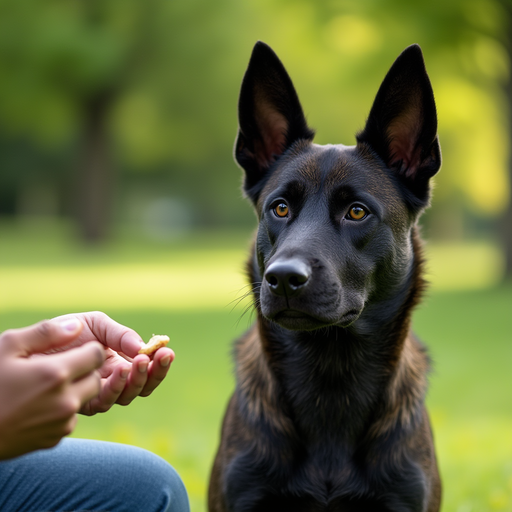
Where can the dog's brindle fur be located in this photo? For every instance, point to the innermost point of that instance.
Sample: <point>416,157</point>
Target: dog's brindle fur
<point>328,412</point>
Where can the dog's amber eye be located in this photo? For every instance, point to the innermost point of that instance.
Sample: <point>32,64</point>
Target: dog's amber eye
<point>281,210</point>
<point>357,212</point>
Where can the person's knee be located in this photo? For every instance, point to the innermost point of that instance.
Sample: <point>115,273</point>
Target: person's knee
<point>93,475</point>
<point>163,485</point>
<point>178,492</point>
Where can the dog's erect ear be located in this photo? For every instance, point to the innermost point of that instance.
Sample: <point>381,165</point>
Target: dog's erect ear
<point>270,117</point>
<point>402,125</point>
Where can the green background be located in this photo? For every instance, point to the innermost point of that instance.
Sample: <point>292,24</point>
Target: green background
<point>118,192</point>
<point>465,320</point>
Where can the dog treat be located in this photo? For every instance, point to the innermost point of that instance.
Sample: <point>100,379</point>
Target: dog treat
<point>156,342</point>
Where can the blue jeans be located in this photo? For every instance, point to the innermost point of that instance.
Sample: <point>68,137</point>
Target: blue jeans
<point>82,475</point>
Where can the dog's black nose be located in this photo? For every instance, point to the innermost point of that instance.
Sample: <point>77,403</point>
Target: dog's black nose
<point>287,277</point>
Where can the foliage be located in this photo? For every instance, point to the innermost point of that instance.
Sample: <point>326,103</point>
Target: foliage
<point>171,71</point>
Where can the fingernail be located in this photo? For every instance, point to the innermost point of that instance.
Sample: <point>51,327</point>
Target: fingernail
<point>70,325</point>
<point>165,361</point>
<point>124,373</point>
<point>143,367</point>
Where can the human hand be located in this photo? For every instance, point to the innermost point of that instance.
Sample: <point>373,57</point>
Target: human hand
<point>40,396</point>
<point>125,374</point>
<point>52,370</point>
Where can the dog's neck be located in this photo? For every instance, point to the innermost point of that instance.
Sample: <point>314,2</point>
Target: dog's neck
<point>348,371</point>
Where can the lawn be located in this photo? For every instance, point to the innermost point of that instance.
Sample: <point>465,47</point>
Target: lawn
<point>188,288</point>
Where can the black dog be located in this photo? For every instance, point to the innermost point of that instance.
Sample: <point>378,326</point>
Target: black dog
<point>328,413</point>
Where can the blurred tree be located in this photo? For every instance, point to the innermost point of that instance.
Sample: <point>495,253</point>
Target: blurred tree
<point>58,76</point>
<point>122,79</point>
<point>506,223</point>
<point>150,89</point>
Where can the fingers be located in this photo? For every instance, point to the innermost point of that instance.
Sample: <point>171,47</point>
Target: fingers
<point>77,362</point>
<point>136,380</point>
<point>41,337</point>
<point>69,377</point>
<point>158,370</point>
<point>112,334</point>
<point>125,383</point>
<point>111,389</point>
<point>86,389</point>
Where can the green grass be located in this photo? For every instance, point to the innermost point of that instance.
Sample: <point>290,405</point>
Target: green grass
<point>466,321</point>
<point>470,339</point>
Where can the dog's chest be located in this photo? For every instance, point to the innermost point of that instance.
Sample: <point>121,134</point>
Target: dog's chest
<point>324,473</point>
<point>322,482</point>
<point>324,476</point>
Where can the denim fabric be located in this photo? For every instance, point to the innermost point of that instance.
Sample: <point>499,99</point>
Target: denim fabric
<point>83,475</point>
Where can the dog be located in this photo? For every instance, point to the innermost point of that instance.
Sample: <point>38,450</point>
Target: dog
<point>328,412</point>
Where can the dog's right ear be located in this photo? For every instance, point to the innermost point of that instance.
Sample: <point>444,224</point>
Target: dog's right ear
<point>270,118</point>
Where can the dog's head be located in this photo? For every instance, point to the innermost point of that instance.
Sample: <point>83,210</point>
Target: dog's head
<point>335,221</point>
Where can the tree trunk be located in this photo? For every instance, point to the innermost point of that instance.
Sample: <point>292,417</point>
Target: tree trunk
<point>506,232</point>
<point>95,172</point>
<point>506,221</point>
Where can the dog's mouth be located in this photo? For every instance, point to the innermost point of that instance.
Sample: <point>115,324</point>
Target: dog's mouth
<point>300,321</point>
<point>348,318</point>
<point>297,320</point>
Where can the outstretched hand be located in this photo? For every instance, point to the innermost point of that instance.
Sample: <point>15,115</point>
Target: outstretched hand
<point>80,363</point>
<point>125,374</point>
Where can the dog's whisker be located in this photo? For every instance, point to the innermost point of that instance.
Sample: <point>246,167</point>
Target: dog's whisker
<point>237,300</point>
<point>249,308</point>
<point>254,289</point>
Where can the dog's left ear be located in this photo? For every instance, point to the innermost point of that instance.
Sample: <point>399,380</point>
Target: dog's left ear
<point>402,125</point>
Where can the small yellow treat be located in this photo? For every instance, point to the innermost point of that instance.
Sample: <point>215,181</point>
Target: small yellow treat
<point>156,342</point>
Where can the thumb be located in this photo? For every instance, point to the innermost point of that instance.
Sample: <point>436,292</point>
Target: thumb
<point>42,336</point>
